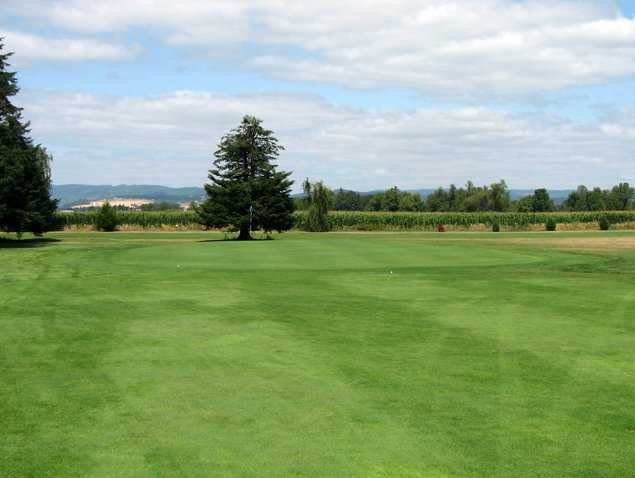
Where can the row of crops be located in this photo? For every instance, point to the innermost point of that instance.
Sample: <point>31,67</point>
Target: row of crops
<point>143,219</point>
<point>370,221</point>
<point>377,221</point>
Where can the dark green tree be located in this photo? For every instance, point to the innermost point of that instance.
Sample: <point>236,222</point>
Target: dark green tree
<point>438,200</point>
<point>583,199</point>
<point>347,201</point>
<point>596,200</point>
<point>246,191</point>
<point>391,199</point>
<point>477,199</point>
<point>499,199</point>
<point>319,198</point>
<point>525,204</point>
<point>411,202</point>
<point>453,198</point>
<point>106,219</point>
<point>577,200</point>
<point>25,175</point>
<point>541,201</point>
<point>375,202</point>
<point>621,197</point>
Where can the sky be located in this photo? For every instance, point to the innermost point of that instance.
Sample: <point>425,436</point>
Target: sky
<point>364,94</point>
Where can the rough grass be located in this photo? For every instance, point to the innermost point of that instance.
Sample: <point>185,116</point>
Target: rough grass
<point>167,354</point>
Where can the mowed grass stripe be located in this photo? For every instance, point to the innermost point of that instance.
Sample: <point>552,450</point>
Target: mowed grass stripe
<point>137,355</point>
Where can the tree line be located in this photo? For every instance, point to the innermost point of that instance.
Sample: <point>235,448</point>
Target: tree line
<point>471,198</point>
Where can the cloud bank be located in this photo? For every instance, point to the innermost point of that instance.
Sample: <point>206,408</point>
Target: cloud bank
<point>170,139</point>
<point>35,47</point>
<point>469,49</point>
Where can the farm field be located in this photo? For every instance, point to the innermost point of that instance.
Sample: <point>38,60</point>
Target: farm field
<point>335,354</point>
<point>375,221</point>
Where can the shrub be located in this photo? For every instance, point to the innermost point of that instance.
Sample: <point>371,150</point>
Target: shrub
<point>496,227</point>
<point>551,225</point>
<point>604,223</point>
<point>106,219</point>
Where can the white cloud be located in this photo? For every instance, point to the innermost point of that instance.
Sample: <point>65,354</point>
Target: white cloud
<point>469,48</point>
<point>33,47</point>
<point>169,139</point>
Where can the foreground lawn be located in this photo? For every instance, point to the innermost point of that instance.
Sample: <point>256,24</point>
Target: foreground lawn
<point>131,355</point>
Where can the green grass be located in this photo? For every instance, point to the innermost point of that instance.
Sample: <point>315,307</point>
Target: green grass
<point>167,354</point>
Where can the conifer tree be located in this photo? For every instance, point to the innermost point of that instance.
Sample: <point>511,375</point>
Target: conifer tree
<point>246,192</point>
<point>25,175</point>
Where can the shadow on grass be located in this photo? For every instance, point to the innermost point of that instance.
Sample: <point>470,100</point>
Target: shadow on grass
<point>235,239</point>
<point>9,242</point>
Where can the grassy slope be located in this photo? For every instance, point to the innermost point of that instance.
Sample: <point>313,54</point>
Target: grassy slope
<point>160,355</point>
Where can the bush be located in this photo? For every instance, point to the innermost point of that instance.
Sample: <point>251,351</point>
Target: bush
<point>106,219</point>
<point>496,227</point>
<point>551,225</point>
<point>604,223</point>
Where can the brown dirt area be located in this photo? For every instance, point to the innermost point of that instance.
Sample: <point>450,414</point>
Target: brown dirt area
<point>607,243</point>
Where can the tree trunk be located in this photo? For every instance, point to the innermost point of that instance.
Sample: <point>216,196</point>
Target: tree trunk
<point>244,234</point>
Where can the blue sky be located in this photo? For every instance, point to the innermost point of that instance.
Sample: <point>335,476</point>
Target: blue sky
<point>409,93</point>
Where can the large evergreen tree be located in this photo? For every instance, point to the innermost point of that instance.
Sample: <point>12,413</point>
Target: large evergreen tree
<point>246,192</point>
<point>25,177</point>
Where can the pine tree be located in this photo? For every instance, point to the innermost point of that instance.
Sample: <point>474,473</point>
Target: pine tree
<point>25,176</point>
<point>246,192</point>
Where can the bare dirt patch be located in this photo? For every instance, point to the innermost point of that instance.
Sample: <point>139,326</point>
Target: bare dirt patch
<point>602,243</point>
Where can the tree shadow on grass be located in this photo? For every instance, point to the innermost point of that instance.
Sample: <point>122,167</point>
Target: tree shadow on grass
<point>9,242</point>
<point>235,239</point>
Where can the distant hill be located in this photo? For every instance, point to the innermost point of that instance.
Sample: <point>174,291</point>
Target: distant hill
<point>71,194</point>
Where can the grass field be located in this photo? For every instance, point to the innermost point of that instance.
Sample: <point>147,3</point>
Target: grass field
<point>169,354</point>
